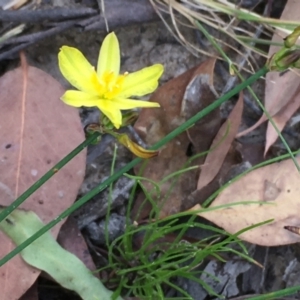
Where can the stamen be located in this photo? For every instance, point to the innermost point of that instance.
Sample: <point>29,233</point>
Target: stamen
<point>111,84</point>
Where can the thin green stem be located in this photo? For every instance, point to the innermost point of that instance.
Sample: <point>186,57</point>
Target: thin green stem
<point>134,162</point>
<point>277,294</point>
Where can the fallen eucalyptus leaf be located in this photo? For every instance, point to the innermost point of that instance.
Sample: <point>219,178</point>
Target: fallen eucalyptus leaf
<point>37,131</point>
<point>221,145</point>
<point>277,185</point>
<point>180,99</point>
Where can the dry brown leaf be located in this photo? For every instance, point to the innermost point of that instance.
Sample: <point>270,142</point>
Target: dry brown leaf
<point>37,130</point>
<point>280,88</point>
<point>278,186</point>
<point>71,239</point>
<point>180,98</point>
<point>231,167</point>
<point>280,119</point>
<point>222,143</point>
<point>32,293</point>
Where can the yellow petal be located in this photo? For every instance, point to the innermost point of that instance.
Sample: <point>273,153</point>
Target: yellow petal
<point>109,56</point>
<point>112,112</point>
<point>141,82</point>
<point>131,103</point>
<point>77,70</point>
<point>77,99</point>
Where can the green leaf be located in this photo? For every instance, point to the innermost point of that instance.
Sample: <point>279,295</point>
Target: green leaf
<point>47,255</point>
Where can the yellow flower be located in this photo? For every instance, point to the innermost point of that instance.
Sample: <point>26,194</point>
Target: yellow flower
<point>105,88</point>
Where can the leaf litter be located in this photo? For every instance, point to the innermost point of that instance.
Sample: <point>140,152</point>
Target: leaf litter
<point>276,188</point>
<point>221,145</point>
<point>180,99</point>
<point>71,239</point>
<point>258,186</point>
<point>270,189</point>
<point>37,130</point>
<point>282,98</point>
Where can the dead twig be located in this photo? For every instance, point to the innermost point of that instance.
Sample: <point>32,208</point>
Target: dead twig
<point>29,39</point>
<point>59,27</point>
<point>62,19</point>
<point>44,15</point>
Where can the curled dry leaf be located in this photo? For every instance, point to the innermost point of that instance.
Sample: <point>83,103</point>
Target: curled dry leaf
<point>280,90</point>
<point>37,130</point>
<point>277,185</point>
<point>231,167</point>
<point>281,118</point>
<point>180,99</point>
<point>281,100</point>
<point>221,145</point>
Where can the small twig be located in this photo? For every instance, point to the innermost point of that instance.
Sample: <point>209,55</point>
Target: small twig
<point>32,37</point>
<point>40,16</point>
<point>10,53</point>
<point>102,7</point>
<point>29,39</point>
<point>139,10</point>
<point>63,19</point>
<point>233,80</point>
<point>84,23</point>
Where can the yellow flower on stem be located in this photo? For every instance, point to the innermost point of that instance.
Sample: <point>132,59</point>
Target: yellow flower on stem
<point>106,88</point>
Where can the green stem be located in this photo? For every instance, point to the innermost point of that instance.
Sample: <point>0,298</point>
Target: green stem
<point>278,294</point>
<point>134,162</point>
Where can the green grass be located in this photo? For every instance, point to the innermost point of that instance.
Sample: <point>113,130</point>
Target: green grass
<point>147,259</point>
<point>148,269</point>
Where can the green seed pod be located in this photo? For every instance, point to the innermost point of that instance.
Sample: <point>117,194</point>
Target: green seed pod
<point>291,39</point>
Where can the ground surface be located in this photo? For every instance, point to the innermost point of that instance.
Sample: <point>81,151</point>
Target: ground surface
<point>143,44</point>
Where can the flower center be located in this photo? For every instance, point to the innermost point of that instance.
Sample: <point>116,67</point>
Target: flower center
<point>110,85</point>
